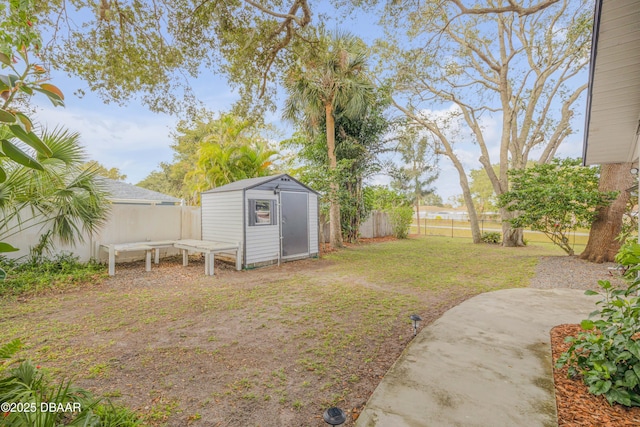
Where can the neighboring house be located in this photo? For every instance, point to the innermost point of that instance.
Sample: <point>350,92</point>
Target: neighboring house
<point>274,218</point>
<point>128,194</point>
<point>440,212</point>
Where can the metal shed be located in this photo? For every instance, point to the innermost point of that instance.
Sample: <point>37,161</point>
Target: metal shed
<point>275,218</point>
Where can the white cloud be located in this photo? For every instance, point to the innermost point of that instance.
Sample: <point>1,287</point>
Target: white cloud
<point>133,141</point>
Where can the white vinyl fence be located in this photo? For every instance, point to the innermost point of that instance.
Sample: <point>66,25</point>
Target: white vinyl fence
<point>126,224</point>
<point>138,223</point>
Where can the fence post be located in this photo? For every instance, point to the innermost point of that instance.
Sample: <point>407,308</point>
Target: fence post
<point>451,227</point>
<point>425,226</point>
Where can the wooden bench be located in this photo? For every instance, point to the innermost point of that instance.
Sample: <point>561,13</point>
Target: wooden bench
<point>207,248</point>
<point>115,249</point>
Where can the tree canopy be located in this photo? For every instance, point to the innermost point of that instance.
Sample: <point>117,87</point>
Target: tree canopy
<point>149,49</point>
<point>210,152</point>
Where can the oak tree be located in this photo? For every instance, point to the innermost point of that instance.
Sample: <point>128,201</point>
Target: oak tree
<point>525,72</point>
<point>602,245</point>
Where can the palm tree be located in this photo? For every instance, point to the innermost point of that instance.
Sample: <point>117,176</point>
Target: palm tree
<point>327,79</point>
<point>65,199</point>
<point>231,150</point>
<point>256,160</point>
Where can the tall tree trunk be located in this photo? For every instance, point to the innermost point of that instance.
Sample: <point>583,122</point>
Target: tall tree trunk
<point>468,200</point>
<point>511,237</point>
<point>602,246</point>
<point>335,228</point>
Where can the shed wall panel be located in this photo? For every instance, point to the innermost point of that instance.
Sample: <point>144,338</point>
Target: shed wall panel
<point>263,241</point>
<point>222,217</point>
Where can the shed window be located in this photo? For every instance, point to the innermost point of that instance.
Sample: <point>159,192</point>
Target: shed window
<point>262,212</point>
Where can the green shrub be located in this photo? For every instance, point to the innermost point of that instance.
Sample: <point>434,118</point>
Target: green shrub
<point>32,394</point>
<point>491,237</point>
<point>629,258</point>
<point>117,416</point>
<point>40,274</point>
<point>607,353</point>
<point>401,218</point>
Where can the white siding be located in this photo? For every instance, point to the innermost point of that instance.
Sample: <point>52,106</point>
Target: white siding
<point>222,217</point>
<point>263,241</point>
<point>313,224</point>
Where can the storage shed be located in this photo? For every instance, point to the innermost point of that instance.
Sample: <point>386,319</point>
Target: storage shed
<point>275,218</point>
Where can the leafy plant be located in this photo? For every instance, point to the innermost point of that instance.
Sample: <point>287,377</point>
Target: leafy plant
<point>492,237</point>
<point>396,204</point>
<point>16,124</point>
<point>37,274</point>
<point>116,416</point>
<point>607,353</point>
<point>35,393</point>
<point>629,258</point>
<point>19,144</point>
<point>64,198</point>
<point>555,198</point>
<point>401,218</point>
<point>7,351</point>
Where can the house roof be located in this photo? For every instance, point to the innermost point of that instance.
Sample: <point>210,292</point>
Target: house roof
<point>122,192</point>
<point>612,132</point>
<point>246,184</point>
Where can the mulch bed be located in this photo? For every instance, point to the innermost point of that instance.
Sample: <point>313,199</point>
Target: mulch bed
<point>576,406</point>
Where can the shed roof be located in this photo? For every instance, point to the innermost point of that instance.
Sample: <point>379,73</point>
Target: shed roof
<point>246,184</point>
<point>128,193</point>
<point>612,131</point>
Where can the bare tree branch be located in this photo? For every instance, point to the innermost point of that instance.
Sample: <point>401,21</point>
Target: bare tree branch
<point>291,16</point>
<point>513,6</point>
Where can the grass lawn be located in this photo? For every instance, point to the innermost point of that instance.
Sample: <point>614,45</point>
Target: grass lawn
<point>272,346</point>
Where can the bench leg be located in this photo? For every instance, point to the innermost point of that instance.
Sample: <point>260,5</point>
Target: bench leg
<point>147,261</point>
<point>156,253</point>
<point>112,261</point>
<point>212,263</point>
<point>208,263</point>
<point>185,258</point>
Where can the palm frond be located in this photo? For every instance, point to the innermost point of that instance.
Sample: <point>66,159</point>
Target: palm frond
<point>65,146</point>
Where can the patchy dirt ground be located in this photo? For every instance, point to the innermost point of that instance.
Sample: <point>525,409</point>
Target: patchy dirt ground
<point>267,347</point>
<point>229,350</point>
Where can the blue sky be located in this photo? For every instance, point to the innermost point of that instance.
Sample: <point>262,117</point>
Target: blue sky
<point>136,140</point>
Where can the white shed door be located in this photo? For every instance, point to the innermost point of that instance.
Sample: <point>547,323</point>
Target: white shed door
<point>295,223</point>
